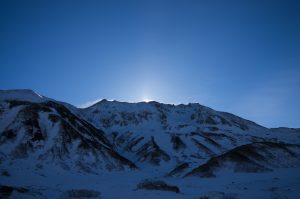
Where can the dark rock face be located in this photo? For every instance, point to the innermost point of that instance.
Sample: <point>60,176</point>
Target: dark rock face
<point>152,153</point>
<point>7,135</point>
<point>6,191</point>
<point>178,169</point>
<point>177,142</point>
<point>81,193</point>
<point>157,185</point>
<point>253,158</point>
<point>54,132</point>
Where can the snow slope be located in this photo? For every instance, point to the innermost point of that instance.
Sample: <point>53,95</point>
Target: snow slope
<point>167,135</point>
<point>51,149</point>
<point>48,132</point>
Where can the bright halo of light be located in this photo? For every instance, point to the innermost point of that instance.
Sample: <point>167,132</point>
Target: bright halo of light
<point>147,100</point>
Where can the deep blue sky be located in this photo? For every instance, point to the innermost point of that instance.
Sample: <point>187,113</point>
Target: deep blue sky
<point>236,56</point>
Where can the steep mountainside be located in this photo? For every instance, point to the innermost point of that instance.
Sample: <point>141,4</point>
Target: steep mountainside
<point>44,131</point>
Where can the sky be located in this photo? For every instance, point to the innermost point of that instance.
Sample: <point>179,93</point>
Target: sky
<point>236,56</point>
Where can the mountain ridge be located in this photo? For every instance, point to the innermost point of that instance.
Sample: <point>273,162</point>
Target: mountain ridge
<point>22,93</point>
<point>177,143</point>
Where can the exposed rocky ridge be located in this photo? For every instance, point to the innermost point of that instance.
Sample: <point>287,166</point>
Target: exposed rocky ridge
<point>254,157</point>
<point>49,132</point>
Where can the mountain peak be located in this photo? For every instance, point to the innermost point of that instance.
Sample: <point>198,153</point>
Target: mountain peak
<point>21,94</point>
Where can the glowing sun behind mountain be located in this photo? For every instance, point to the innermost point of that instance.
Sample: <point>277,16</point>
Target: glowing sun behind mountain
<point>146,99</point>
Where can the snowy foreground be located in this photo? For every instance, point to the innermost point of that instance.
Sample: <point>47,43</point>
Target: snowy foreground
<point>282,183</point>
<point>111,150</point>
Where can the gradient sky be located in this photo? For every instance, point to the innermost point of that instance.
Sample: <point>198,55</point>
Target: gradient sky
<point>237,56</point>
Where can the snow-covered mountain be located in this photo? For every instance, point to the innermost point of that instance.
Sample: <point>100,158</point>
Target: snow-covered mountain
<point>167,135</point>
<point>42,131</point>
<point>70,152</point>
